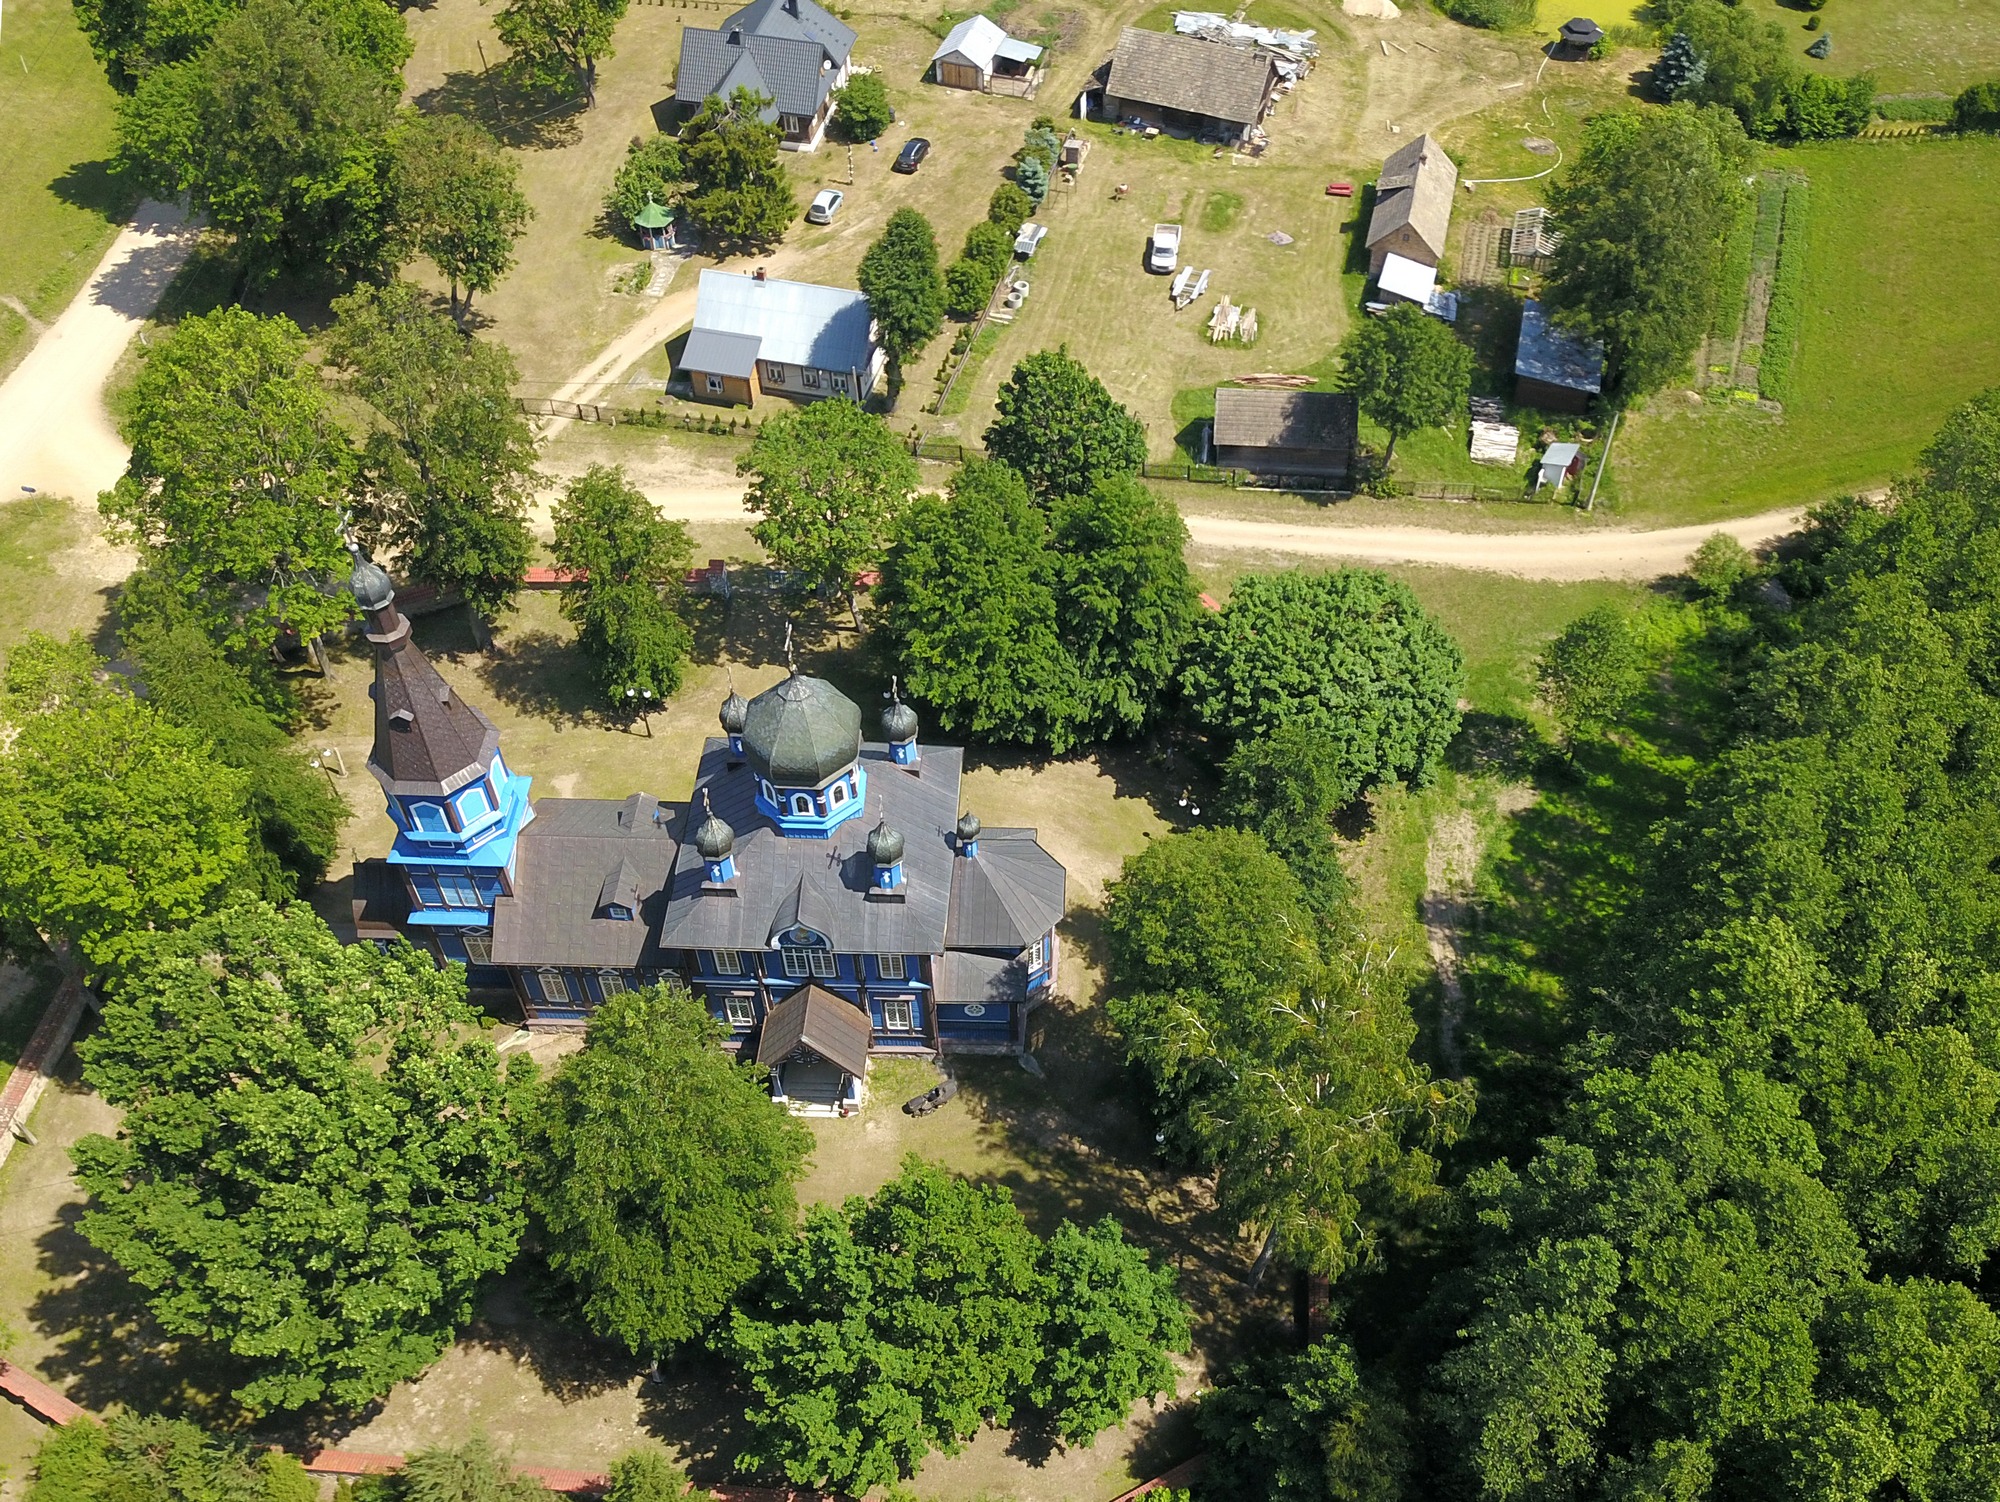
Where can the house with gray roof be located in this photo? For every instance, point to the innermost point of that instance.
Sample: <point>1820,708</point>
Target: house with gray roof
<point>794,52</point>
<point>824,895</point>
<point>1191,84</point>
<point>1412,211</point>
<point>757,335</point>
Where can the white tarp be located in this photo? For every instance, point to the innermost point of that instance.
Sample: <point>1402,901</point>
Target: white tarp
<point>1215,25</point>
<point>1410,280</point>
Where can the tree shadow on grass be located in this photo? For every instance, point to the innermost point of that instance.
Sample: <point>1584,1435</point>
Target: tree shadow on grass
<point>570,1363</point>
<point>98,187</point>
<point>697,1408</point>
<point>544,676</point>
<point>524,116</point>
<point>1499,745</point>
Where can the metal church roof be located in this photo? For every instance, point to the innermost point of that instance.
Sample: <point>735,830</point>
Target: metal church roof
<point>801,732</point>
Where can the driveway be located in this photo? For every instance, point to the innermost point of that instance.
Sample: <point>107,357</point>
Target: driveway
<point>55,435</point>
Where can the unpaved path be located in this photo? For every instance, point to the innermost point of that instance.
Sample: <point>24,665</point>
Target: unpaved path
<point>55,434</point>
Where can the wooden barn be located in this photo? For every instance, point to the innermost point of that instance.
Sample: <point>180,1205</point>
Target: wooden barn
<point>1189,84</point>
<point>979,56</point>
<point>1285,432</point>
<point>1412,211</point>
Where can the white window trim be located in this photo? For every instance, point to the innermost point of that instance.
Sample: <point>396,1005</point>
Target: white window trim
<point>610,983</point>
<point>726,961</point>
<point>798,965</point>
<point>808,810</point>
<point>478,949</point>
<point>774,373</point>
<point>898,1016</point>
<point>892,967</point>
<point>547,981</point>
<point>836,795</point>
<point>715,385</point>
<point>739,1011</point>
<point>809,377</point>
<point>824,965</point>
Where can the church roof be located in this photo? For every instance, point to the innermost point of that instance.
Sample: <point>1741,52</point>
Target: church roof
<point>1007,896</point>
<point>801,732</point>
<point>576,857</point>
<point>833,1028</point>
<point>427,739</point>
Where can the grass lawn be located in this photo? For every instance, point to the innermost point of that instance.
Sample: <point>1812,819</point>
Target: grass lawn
<point>1911,46</point>
<point>1550,14</point>
<point>62,203</point>
<point>1882,357</point>
<point>56,570</point>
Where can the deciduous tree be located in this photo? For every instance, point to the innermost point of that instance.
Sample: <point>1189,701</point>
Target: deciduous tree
<point>447,472</point>
<point>456,200</point>
<point>559,43</point>
<point>827,481</point>
<point>1113,1316</point>
<point>660,1169</point>
<point>629,566</point>
<point>1286,786</point>
<point>170,1460</point>
<point>1060,429</point>
<point>238,477</point>
<point>861,108</point>
<point>316,1166</point>
<point>1591,671</point>
<point>903,284</point>
<point>1407,371</point>
<point>1350,653</point>
<point>654,170</point>
<point>133,37</point>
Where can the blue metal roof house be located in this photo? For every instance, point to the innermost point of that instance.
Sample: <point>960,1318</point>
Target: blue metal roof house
<point>792,51</point>
<point>1554,371</point>
<point>757,334</point>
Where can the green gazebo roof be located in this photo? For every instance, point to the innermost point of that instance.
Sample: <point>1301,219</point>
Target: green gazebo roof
<point>652,216</point>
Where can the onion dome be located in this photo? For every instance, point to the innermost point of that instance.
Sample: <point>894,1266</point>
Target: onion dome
<point>712,836</point>
<point>370,583</point>
<point>734,708</point>
<point>899,721</point>
<point>968,828</point>
<point>801,733</point>
<point>885,845</point>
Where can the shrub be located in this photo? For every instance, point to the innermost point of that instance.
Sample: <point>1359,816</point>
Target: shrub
<point>862,108</point>
<point>991,245</point>
<point>967,286</point>
<point>1010,208</point>
<point>1978,108</point>
<point>1494,15</point>
<point>1818,108</point>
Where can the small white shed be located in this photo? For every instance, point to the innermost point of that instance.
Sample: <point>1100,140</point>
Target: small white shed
<point>1560,462</point>
<point>976,50</point>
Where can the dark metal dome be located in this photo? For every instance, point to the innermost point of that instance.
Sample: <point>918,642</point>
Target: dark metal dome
<point>802,732</point>
<point>899,722</point>
<point>968,827</point>
<point>885,845</point>
<point>712,836</point>
<point>370,583</point>
<point>733,710</point>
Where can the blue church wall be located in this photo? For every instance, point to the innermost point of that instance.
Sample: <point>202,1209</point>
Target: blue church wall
<point>433,830</point>
<point>813,813</point>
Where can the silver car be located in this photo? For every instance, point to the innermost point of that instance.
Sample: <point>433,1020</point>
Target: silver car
<point>826,203</point>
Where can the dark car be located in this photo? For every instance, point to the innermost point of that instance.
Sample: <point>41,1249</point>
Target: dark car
<point>912,155</point>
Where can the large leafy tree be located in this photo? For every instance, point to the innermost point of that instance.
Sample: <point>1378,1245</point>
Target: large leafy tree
<point>1729,56</point>
<point>1304,1426</point>
<point>660,1169</point>
<point>862,109</point>
<point>1126,604</point>
<point>447,472</point>
<point>238,478</point>
<point>1350,653</point>
<point>654,170</point>
<point>559,43</point>
<point>316,1167</point>
<point>904,286</point>
<point>1645,211</point>
<point>1591,671</point>
<point>456,200</point>
<point>275,134</point>
<point>969,604</point>
<point>902,1324</point>
<point>114,822</point>
<point>827,483</point>
<point>133,37</point>
<point>740,194</point>
<point>1407,371</point>
<point>628,566</point>
<point>1285,786</point>
<point>1060,429</point>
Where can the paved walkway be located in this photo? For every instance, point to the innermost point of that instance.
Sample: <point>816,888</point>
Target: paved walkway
<point>55,434</point>
<point>39,1061</point>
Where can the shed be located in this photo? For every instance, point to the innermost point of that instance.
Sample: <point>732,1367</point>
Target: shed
<point>1578,36</point>
<point>1412,212</point>
<point>1560,462</point>
<point>1555,371</point>
<point>1201,86</point>
<point>976,50</point>
<point>1285,432</point>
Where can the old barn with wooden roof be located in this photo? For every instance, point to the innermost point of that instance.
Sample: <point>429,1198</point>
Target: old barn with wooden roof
<point>1285,432</point>
<point>1412,211</point>
<point>1190,84</point>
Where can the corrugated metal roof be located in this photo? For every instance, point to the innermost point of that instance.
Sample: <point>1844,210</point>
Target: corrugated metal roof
<point>1189,74</point>
<point>1007,896</point>
<point>1014,50</point>
<point>1548,355</point>
<point>715,353</point>
<point>972,41</point>
<point>800,323</point>
<point>1408,279</point>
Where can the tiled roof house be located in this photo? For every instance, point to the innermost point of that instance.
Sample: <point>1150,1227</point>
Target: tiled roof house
<point>794,52</point>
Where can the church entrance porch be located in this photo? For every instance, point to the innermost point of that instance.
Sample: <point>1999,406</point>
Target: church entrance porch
<point>816,1046</point>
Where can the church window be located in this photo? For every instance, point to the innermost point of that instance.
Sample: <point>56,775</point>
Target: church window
<point>725,961</point>
<point>890,967</point>
<point>738,1010</point>
<point>474,804</point>
<point>837,794</point>
<point>458,889</point>
<point>823,964</point>
<point>610,983</point>
<point>429,818</point>
<point>801,962</point>
<point>896,1017</point>
<point>554,986</point>
<point>802,804</point>
<point>479,949</point>
<point>797,965</point>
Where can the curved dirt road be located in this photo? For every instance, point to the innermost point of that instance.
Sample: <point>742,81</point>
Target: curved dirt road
<point>55,434</point>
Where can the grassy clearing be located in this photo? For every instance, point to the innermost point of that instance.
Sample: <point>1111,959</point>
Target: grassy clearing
<point>1550,14</point>
<point>56,571</point>
<point>63,204</point>
<point>1913,47</point>
<point>1880,361</point>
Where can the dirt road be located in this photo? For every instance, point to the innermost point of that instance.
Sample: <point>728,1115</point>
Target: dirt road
<point>55,435</point>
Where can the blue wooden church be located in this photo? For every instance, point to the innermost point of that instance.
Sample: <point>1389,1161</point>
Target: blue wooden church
<point>823,894</point>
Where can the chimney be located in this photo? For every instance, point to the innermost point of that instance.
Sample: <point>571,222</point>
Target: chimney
<point>758,274</point>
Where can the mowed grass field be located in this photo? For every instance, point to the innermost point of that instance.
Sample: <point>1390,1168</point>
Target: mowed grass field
<point>59,203</point>
<point>1897,330</point>
<point>1911,46</point>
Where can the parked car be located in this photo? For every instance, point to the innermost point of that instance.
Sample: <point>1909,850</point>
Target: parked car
<point>826,203</point>
<point>1032,235</point>
<point>1164,253</point>
<point>912,155</point>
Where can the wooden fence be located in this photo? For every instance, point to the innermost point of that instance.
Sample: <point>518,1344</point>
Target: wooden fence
<point>644,417</point>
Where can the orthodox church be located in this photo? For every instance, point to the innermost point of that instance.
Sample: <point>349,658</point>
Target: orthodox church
<point>822,894</point>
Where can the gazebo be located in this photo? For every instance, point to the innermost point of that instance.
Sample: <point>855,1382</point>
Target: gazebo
<point>655,226</point>
<point>1578,36</point>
